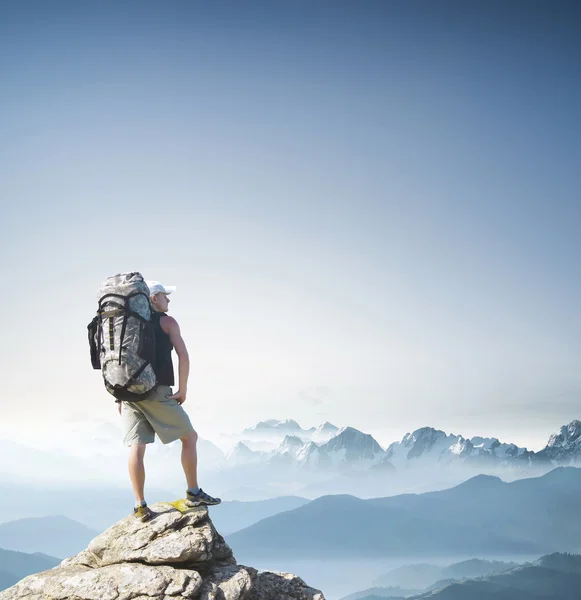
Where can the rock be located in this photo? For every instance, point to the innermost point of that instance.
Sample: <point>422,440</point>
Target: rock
<point>283,586</point>
<point>114,582</point>
<point>228,583</point>
<point>171,537</point>
<point>174,556</point>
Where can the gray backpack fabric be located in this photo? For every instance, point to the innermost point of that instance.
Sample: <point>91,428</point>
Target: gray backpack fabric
<point>121,337</point>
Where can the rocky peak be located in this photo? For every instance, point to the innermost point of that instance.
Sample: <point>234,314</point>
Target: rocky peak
<point>422,435</point>
<point>486,444</point>
<point>357,444</point>
<point>291,444</point>
<point>177,555</point>
<point>312,455</point>
<point>462,447</point>
<point>568,434</point>
<point>423,440</point>
<point>565,446</point>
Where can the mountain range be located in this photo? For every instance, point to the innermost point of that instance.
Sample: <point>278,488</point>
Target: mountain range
<point>329,447</point>
<point>483,516</point>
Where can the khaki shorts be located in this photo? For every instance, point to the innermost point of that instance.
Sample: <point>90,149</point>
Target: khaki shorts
<point>155,414</point>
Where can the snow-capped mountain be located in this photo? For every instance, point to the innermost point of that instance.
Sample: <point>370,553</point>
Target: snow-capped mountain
<point>311,455</point>
<point>564,447</point>
<point>423,443</point>
<point>291,445</point>
<point>351,445</point>
<point>348,448</point>
<point>433,445</point>
<point>480,449</point>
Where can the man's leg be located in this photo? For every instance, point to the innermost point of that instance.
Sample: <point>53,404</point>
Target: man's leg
<point>171,422</point>
<point>195,496</point>
<point>190,459</point>
<point>137,470</point>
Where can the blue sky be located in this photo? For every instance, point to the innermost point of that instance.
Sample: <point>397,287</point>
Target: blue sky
<point>370,210</point>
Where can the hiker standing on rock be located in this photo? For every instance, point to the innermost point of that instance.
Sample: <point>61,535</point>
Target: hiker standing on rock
<point>161,411</point>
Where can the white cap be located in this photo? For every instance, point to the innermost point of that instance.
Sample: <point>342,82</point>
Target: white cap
<point>155,287</point>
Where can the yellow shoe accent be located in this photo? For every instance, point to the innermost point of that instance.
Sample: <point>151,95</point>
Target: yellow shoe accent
<point>181,506</point>
<point>142,513</point>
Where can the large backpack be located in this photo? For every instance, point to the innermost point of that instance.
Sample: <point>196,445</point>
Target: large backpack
<point>121,337</point>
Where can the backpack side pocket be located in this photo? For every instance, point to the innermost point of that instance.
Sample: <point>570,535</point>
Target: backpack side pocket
<point>93,331</point>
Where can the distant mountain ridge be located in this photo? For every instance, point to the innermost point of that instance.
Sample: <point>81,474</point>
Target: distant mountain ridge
<point>483,516</point>
<point>554,576</point>
<point>424,575</point>
<point>236,515</point>
<point>551,577</point>
<point>54,536</point>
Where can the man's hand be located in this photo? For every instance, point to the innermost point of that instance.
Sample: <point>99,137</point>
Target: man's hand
<point>119,407</point>
<point>179,396</point>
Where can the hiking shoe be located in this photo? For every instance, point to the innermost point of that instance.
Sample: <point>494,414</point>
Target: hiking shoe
<point>142,513</point>
<point>201,498</point>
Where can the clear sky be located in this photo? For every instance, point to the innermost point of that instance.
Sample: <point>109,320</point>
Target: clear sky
<point>370,209</point>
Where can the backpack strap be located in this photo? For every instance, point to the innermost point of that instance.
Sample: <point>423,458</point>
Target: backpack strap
<point>137,373</point>
<point>122,393</point>
<point>123,328</point>
<point>111,334</point>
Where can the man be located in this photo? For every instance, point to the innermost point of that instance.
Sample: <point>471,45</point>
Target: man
<point>161,411</point>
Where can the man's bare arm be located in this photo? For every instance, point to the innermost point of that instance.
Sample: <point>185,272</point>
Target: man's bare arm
<point>171,327</point>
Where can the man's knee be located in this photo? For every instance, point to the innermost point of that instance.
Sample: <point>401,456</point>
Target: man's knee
<point>138,450</point>
<point>190,439</point>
